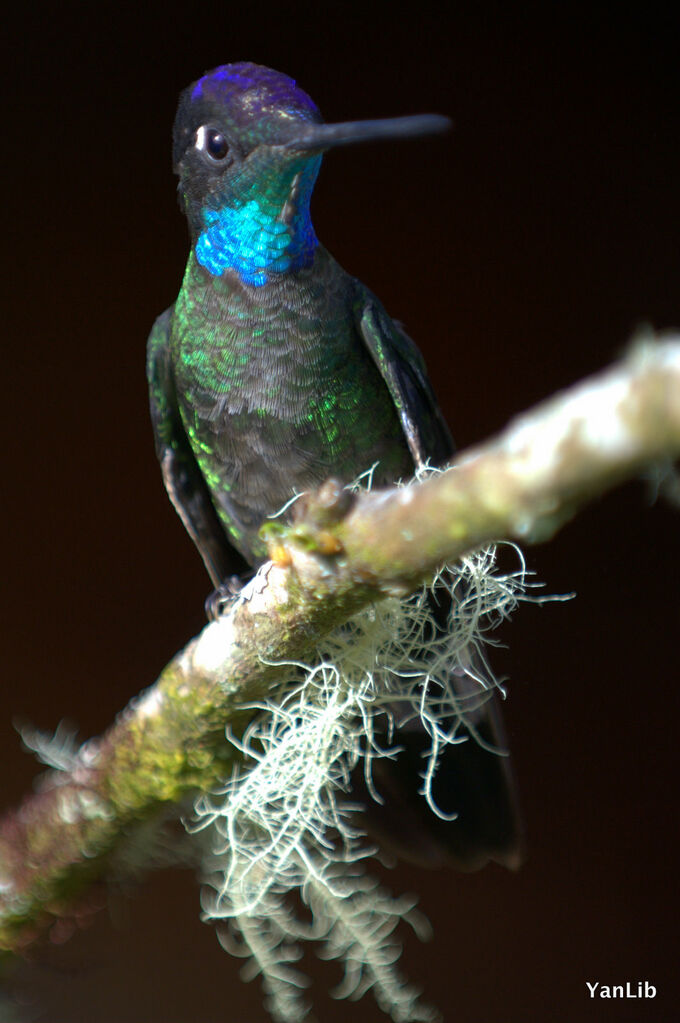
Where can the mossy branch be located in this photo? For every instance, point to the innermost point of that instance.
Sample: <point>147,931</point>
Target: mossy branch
<point>342,552</point>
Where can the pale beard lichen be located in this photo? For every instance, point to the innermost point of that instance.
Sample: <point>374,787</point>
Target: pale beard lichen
<point>284,821</point>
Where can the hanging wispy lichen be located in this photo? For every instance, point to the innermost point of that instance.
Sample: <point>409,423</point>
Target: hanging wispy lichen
<point>285,820</point>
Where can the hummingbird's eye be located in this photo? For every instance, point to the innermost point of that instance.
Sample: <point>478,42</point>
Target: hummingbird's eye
<point>212,142</point>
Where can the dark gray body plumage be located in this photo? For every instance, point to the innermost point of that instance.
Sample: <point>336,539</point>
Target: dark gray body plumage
<point>270,391</point>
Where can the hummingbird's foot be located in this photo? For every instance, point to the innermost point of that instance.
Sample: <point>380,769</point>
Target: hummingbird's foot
<point>217,602</point>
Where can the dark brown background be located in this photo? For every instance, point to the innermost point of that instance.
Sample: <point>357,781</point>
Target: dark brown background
<point>521,252</point>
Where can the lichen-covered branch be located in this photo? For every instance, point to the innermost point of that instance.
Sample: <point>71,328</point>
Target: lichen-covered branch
<point>342,552</point>
<point>526,483</point>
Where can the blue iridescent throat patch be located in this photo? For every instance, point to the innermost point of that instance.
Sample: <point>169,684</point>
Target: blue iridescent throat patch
<point>248,240</point>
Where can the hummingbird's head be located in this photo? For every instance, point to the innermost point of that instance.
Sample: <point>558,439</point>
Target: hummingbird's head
<point>245,193</point>
<point>247,148</point>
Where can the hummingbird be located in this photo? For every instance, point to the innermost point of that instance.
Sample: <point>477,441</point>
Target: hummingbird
<point>275,370</point>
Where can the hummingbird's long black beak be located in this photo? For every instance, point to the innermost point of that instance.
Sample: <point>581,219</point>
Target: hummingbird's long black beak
<point>326,136</point>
